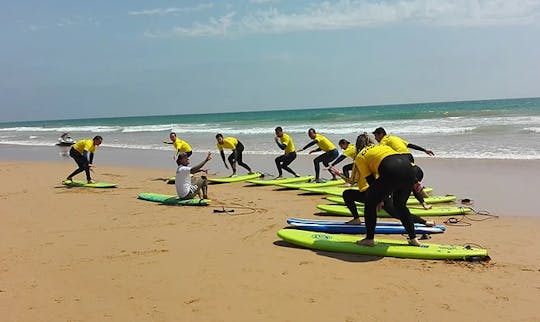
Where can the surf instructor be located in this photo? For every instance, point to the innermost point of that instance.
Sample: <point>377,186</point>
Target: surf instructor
<point>83,154</point>
<point>237,148</point>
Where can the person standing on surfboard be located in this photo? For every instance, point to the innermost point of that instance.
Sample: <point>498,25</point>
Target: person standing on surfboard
<point>388,173</point>
<point>179,145</point>
<point>235,157</point>
<point>187,187</point>
<point>349,150</point>
<point>285,142</point>
<point>324,144</point>
<point>402,146</point>
<point>83,154</point>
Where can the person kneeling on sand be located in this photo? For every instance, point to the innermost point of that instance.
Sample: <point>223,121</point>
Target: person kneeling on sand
<point>186,185</point>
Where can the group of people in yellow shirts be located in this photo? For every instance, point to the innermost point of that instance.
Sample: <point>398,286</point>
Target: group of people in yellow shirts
<point>385,173</point>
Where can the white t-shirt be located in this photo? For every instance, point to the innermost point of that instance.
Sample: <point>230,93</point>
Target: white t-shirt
<point>183,181</point>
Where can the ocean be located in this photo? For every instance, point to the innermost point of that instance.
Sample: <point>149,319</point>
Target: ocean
<point>486,129</point>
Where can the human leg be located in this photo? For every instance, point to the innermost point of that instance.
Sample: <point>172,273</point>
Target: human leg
<point>82,164</point>
<point>288,159</point>
<point>347,169</point>
<point>351,196</point>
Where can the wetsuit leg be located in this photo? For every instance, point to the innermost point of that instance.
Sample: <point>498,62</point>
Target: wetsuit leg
<point>399,177</point>
<point>288,159</point>
<point>347,169</point>
<point>279,164</point>
<point>239,150</point>
<point>350,196</point>
<point>391,210</point>
<point>81,161</point>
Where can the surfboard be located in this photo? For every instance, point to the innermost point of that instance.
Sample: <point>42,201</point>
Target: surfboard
<point>75,183</point>
<point>411,201</point>
<point>235,178</point>
<point>338,191</point>
<point>342,210</point>
<point>328,183</point>
<point>262,182</point>
<point>361,229</point>
<point>172,200</point>
<point>295,221</point>
<point>343,243</point>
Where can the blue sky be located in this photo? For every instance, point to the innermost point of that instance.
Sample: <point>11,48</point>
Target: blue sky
<point>69,59</point>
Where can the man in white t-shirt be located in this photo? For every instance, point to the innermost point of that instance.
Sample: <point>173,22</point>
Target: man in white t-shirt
<point>186,185</point>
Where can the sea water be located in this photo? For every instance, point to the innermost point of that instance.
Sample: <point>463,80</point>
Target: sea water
<point>487,129</point>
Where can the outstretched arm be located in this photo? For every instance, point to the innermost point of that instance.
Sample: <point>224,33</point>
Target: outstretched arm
<point>419,148</point>
<point>308,145</point>
<point>199,166</point>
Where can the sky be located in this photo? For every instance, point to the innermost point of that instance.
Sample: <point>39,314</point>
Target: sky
<point>63,59</point>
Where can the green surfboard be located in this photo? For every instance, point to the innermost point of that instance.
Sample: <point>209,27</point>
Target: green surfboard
<point>343,243</point>
<point>262,182</point>
<point>302,185</point>
<point>235,178</point>
<point>342,210</point>
<point>172,200</point>
<point>75,183</point>
<point>338,191</point>
<point>411,201</point>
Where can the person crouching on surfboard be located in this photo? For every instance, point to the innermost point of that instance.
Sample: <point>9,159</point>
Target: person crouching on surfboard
<point>237,148</point>
<point>83,154</point>
<point>186,185</point>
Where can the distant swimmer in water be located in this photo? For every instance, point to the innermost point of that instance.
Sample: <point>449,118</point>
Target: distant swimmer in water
<point>235,157</point>
<point>179,145</point>
<point>324,144</point>
<point>284,142</point>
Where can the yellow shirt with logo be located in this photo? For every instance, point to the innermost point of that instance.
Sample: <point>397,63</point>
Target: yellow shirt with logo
<point>181,145</point>
<point>228,143</point>
<point>369,158</point>
<point>85,145</point>
<point>288,142</point>
<point>324,143</point>
<point>396,143</point>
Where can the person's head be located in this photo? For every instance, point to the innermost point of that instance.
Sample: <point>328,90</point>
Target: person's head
<point>379,133</point>
<point>182,159</point>
<point>172,136</point>
<point>311,133</point>
<point>363,140</point>
<point>219,138</point>
<point>279,131</point>
<point>97,140</point>
<point>343,144</point>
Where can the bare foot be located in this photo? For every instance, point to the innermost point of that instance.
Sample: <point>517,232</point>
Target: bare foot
<point>413,241</point>
<point>426,206</point>
<point>232,175</point>
<point>91,181</point>
<point>366,242</point>
<point>355,221</point>
<point>279,177</point>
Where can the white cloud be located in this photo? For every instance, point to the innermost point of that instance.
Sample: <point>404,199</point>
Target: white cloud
<point>349,14</point>
<point>167,11</point>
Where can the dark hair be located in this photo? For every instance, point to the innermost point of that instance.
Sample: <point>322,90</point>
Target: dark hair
<point>379,130</point>
<point>279,129</point>
<point>219,135</point>
<point>311,130</point>
<point>172,133</point>
<point>343,141</point>
<point>98,137</point>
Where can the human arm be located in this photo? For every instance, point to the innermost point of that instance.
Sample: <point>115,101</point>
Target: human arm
<point>223,158</point>
<point>199,166</point>
<point>308,145</point>
<point>339,159</point>
<point>279,144</point>
<point>419,148</point>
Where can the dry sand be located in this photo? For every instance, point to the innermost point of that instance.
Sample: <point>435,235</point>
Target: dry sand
<point>78,254</point>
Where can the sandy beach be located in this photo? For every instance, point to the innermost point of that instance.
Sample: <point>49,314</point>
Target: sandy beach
<point>78,254</point>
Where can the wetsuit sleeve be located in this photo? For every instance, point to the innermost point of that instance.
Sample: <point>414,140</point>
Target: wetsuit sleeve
<point>281,145</point>
<point>310,144</point>
<point>91,159</point>
<point>339,159</point>
<point>222,155</point>
<point>416,147</point>
<point>370,179</point>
